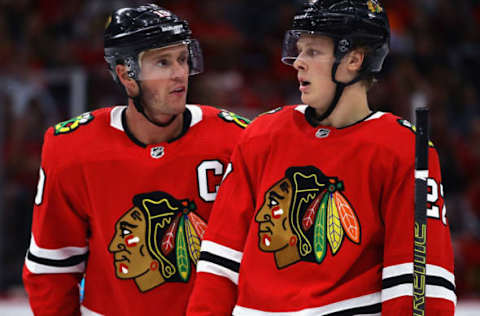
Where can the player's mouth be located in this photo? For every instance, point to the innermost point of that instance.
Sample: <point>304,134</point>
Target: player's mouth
<point>304,85</point>
<point>178,90</point>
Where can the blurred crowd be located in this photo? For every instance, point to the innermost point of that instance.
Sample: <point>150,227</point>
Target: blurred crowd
<point>434,60</point>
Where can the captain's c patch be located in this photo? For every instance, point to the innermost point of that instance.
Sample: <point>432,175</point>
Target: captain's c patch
<point>73,123</point>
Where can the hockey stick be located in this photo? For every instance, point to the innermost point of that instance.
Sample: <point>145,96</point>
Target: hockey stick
<point>420,231</point>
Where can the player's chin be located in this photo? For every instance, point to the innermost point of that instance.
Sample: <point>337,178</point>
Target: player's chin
<point>177,103</point>
<point>308,98</point>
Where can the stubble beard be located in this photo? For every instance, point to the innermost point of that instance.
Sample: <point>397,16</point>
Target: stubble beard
<point>156,105</point>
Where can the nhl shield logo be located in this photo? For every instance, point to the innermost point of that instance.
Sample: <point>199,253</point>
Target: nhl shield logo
<point>157,152</point>
<point>322,133</point>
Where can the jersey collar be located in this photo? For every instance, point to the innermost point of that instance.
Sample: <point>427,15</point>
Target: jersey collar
<point>187,120</point>
<point>309,113</point>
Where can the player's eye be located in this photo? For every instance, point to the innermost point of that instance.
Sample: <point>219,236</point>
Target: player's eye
<point>182,59</point>
<point>312,52</point>
<point>163,62</point>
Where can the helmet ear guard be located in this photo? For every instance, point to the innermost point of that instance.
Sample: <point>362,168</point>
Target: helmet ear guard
<point>342,47</point>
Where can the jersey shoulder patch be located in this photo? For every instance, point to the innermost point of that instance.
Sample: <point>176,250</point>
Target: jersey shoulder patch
<point>231,117</point>
<point>410,126</point>
<point>72,124</point>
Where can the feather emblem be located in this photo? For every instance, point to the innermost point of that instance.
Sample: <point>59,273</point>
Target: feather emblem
<point>198,223</point>
<point>319,240</point>
<point>334,227</point>
<point>309,217</point>
<point>168,240</point>
<point>183,262</point>
<point>193,241</point>
<point>348,218</point>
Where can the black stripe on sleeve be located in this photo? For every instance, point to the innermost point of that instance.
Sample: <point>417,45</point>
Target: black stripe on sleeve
<point>408,279</point>
<point>435,280</point>
<point>224,262</point>
<point>71,261</point>
<point>393,281</point>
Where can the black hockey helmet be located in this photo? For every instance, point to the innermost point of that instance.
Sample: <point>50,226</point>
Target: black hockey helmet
<point>129,31</point>
<point>350,23</point>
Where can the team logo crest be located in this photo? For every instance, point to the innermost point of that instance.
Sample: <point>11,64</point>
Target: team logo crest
<point>304,213</point>
<point>374,6</point>
<point>72,124</point>
<point>234,118</point>
<point>157,240</point>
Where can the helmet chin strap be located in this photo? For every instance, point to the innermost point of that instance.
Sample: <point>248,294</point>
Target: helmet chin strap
<point>340,86</point>
<point>137,101</point>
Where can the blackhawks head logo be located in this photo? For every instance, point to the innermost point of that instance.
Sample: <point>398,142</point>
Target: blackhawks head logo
<point>157,240</point>
<point>303,214</point>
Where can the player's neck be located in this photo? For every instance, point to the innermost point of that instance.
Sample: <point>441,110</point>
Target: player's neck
<point>351,108</point>
<point>147,132</point>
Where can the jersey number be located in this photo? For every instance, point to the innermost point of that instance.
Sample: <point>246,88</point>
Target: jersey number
<point>40,187</point>
<point>433,210</point>
<point>202,178</point>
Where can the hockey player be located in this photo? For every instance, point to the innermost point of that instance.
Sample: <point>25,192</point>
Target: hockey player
<point>315,215</point>
<point>125,192</point>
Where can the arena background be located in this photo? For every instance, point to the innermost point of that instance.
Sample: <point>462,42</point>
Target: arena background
<point>52,68</point>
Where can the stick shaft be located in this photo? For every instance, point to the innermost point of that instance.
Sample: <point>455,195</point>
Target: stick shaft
<point>420,227</point>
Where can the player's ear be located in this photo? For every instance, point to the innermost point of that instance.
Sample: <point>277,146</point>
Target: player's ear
<point>130,84</point>
<point>355,59</point>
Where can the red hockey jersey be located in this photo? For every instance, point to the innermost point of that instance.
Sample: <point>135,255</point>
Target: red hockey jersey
<point>128,216</point>
<point>319,221</point>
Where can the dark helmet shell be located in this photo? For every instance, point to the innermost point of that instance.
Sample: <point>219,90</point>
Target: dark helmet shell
<point>130,31</point>
<point>350,23</point>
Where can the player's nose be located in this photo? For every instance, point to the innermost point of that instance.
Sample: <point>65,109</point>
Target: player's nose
<point>299,64</point>
<point>179,71</point>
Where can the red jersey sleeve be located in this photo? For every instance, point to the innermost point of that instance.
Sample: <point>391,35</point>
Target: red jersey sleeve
<point>56,257</point>
<point>397,208</point>
<point>215,290</point>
